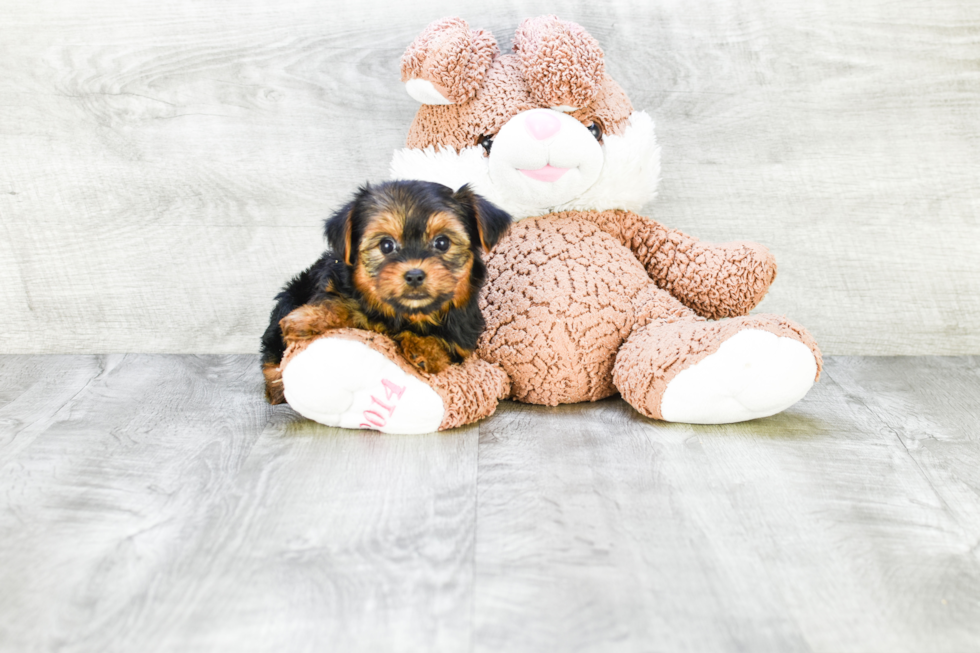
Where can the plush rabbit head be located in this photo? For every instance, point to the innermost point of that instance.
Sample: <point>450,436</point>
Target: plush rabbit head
<point>543,129</point>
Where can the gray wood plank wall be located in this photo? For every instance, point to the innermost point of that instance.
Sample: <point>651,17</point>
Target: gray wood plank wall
<point>165,166</point>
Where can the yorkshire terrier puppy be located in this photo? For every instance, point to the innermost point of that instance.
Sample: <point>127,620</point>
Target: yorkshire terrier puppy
<point>404,260</point>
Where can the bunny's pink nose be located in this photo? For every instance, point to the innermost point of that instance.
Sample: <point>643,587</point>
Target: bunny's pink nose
<point>542,124</point>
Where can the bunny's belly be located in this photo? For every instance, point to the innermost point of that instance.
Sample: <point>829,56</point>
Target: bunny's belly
<point>559,302</point>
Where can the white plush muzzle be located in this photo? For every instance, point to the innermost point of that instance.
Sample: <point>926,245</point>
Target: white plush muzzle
<point>544,158</point>
<point>621,173</point>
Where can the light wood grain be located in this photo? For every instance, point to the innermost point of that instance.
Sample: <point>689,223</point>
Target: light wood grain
<point>816,530</point>
<point>164,167</point>
<point>36,392</point>
<point>166,507</point>
<point>156,503</point>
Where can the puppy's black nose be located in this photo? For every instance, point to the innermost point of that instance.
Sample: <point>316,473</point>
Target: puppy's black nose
<point>415,277</point>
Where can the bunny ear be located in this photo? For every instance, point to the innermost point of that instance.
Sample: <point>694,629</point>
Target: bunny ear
<point>563,65</point>
<point>447,62</point>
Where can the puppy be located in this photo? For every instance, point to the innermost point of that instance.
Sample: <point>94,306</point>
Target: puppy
<point>404,260</point>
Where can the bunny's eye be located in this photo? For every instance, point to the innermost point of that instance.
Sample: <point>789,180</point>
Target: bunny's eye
<point>487,142</point>
<point>595,130</point>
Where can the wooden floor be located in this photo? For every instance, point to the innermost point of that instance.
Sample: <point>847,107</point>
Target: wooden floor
<point>156,503</point>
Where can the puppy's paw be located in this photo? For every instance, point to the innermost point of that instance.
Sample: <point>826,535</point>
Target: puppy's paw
<point>426,353</point>
<point>273,384</point>
<point>307,322</point>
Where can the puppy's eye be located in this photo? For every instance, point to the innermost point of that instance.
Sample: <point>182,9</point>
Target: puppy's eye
<point>487,142</point>
<point>387,246</point>
<point>595,130</point>
<point>441,243</point>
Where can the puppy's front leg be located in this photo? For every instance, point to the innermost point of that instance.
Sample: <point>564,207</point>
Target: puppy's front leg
<point>273,383</point>
<point>424,352</point>
<point>313,320</point>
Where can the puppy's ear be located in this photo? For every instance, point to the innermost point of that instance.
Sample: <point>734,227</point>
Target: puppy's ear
<point>338,230</point>
<point>490,221</point>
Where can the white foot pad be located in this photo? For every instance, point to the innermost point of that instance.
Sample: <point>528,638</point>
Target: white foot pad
<point>345,383</point>
<point>753,374</point>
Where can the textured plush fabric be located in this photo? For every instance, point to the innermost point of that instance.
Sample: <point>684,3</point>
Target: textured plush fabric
<point>558,304</point>
<point>659,350</point>
<point>562,63</point>
<point>502,96</point>
<point>715,280</point>
<point>469,391</point>
<point>451,56</point>
<point>565,290</point>
<point>610,108</point>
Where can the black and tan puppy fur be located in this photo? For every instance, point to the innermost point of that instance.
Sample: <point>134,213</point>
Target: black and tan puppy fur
<point>404,260</point>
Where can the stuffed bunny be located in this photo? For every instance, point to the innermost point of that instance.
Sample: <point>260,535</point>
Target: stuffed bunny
<point>585,298</point>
